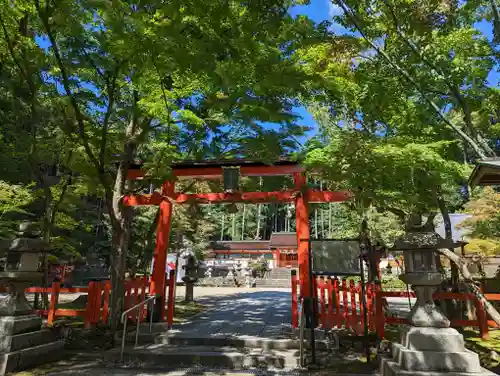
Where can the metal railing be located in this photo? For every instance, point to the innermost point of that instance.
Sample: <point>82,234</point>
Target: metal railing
<point>138,324</point>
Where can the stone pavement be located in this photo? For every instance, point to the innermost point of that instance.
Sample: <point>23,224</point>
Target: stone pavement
<point>256,313</point>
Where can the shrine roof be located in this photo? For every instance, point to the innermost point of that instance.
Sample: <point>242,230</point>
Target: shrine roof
<point>486,172</point>
<point>283,240</point>
<point>240,245</point>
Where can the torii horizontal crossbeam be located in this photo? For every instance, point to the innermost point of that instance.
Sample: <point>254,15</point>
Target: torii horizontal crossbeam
<point>313,196</point>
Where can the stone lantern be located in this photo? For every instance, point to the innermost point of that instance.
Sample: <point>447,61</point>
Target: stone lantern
<point>191,272</point>
<point>428,345</point>
<point>421,272</point>
<point>21,269</point>
<point>23,342</point>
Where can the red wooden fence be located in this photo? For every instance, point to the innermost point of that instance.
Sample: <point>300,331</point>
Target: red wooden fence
<point>97,308</point>
<point>340,305</point>
<point>481,320</point>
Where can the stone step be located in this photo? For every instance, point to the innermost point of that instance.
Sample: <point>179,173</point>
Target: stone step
<point>206,356</point>
<point>240,342</point>
<point>145,335</point>
<point>33,356</point>
<point>22,341</point>
<point>389,367</point>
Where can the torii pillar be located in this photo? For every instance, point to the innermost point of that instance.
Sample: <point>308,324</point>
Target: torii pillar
<point>302,230</point>
<point>157,283</point>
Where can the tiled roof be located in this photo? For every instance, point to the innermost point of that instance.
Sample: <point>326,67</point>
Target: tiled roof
<point>247,245</point>
<point>283,240</point>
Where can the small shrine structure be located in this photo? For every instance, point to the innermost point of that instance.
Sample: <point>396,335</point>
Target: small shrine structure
<point>230,172</point>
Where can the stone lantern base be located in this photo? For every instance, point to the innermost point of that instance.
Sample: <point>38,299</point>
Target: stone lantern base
<point>431,352</point>
<point>23,344</point>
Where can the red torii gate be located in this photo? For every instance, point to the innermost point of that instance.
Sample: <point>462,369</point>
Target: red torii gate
<point>300,195</point>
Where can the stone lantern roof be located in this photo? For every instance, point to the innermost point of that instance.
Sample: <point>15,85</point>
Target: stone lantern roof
<point>422,240</point>
<point>28,240</point>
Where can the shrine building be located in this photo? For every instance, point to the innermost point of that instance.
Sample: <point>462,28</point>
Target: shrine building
<point>281,250</point>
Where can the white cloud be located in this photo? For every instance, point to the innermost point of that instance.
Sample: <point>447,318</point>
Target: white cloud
<point>333,9</point>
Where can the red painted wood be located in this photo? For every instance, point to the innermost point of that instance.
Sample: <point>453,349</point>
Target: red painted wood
<point>493,324</point>
<point>98,302</point>
<point>345,303</point>
<point>331,319</point>
<point>105,307</point>
<point>54,299</point>
<point>338,315</point>
<point>492,296</point>
<point>295,301</point>
<point>354,313</point>
<point>216,172</point>
<point>302,229</point>
<point>322,287</point>
<point>89,310</point>
<point>279,196</point>
<point>139,200</point>
<point>379,312</point>
<point>162,242</point>
<point>317,196</point>
<point>250,197</point>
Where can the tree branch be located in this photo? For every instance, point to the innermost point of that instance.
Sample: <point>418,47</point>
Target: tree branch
<point>67,88</point>
<point>454,89</point>
<point>477,149</point>
<point>110,87</point>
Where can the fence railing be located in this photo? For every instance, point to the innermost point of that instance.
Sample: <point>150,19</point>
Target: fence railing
<point>97,308</point>
<point>481,321</point>
<point>339,304</point>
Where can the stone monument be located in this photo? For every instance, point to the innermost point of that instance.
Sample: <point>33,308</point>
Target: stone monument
<point>428,346</point>
<point>23,343</point>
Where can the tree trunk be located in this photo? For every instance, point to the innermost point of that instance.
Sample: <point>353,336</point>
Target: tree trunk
<point>118,256</point>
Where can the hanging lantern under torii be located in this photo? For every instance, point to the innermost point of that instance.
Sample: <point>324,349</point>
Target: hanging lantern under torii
<point>231,176</point>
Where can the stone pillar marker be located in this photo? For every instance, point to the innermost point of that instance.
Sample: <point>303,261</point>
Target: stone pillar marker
<point>428,346</point>
<point>22,341</point>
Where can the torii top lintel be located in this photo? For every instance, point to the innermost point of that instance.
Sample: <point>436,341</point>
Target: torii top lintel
<point>214,170</point>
